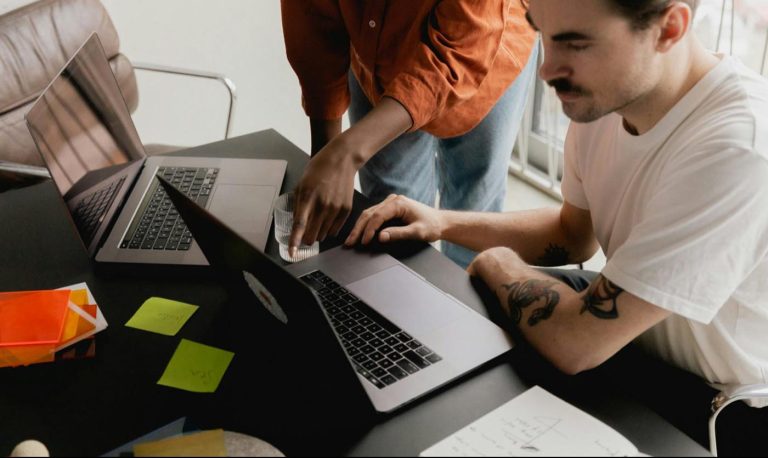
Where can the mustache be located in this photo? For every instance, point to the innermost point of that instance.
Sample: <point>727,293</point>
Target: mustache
<point>564,85</point>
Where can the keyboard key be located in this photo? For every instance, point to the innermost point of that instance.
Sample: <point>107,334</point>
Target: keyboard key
<point>397,372</point>
<point>434,358</point>
<point>388,379</point>
<point>423,351</point>
<point>414,344</point>
<point>376,356</point>
<point>407,366</point>
<point>379,372</point>
<point>402,348</point>
<point>416,359</point>
<point>376,343</point>
<point>404,337</point>
<point>361,358</point>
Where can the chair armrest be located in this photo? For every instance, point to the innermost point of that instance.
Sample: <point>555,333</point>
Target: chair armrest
<point>228,84</point>
<point>13,175</point>
<point>728,396</point>
<point>23,169</point>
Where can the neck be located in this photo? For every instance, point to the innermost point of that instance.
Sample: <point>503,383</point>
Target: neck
<point>683,67</point>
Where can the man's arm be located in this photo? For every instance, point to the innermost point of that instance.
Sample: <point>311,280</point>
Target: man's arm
<point>574,331</point>
<point>544,237</point>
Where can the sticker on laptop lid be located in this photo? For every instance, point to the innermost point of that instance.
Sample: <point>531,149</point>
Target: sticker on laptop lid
<point>265,297</point>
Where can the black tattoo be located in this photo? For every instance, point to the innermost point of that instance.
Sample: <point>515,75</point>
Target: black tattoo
<point>554,255</point>
<point>601,291</point>
<point>525,294</point>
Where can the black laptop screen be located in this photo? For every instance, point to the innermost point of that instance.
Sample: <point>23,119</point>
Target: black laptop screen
<point>81,122</point>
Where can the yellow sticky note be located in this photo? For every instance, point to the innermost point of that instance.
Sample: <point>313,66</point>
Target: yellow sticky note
<point>206,443</point>
<point>162,316</point>
<point>196,367</point>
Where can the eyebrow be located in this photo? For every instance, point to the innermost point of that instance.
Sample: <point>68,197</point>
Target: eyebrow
<point>571,36</point>
<point>564,36</point>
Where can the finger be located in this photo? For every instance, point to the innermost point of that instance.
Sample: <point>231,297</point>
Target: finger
<point>341,218</point>
<point>314,223</point>
<point>379,217</point>
<point>472,270</point>
<point>329,218</point>
<point>393,234</point>
<point>357,229</point>
<point>362,221</point>
<point>300,215</point>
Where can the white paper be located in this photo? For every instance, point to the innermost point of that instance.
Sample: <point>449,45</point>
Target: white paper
<point>536,423</point>
<point>100,322</point>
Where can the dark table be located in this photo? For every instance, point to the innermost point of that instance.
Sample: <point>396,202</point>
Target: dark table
<point>92,406</point>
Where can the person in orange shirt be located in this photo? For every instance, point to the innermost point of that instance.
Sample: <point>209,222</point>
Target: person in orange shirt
<point>435,91</point>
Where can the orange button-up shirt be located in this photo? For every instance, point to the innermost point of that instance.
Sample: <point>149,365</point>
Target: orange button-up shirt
<point>446,61</point>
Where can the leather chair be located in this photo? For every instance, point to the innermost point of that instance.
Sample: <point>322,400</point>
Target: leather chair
<point>35,42</point>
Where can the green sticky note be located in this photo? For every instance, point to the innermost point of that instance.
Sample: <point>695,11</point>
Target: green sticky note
<point>196,367</point>
<point>162,316</point>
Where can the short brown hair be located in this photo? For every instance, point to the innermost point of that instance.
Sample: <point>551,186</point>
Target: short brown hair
<point>639,12</point>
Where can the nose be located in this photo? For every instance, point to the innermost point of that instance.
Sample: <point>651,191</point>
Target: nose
<point>552,66</point>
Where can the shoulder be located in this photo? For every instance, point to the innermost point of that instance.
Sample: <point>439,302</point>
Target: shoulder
<point>734,112</point>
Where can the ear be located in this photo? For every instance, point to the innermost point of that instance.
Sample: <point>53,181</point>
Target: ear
<point>674,25</point>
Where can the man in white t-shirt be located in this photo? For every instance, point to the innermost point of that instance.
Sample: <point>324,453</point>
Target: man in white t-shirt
<point>665,169</point>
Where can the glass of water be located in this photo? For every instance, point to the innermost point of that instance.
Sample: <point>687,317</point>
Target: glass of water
<point>283,226</point>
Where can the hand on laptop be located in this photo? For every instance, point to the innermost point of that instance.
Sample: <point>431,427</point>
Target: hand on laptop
<point>422,222</point>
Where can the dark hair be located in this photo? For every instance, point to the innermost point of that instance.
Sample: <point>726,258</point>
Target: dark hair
<point>642,12</point>
<point>639,12</point>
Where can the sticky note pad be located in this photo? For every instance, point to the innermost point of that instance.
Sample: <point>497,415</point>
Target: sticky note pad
<point>205,443</point>
<point>196,367</point>
<point>162,316</point>
<point>33,317</point>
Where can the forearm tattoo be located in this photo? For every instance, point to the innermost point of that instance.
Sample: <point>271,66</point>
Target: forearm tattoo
<point>600,299</point>
<point>524,294</point>
<point>554,255</point>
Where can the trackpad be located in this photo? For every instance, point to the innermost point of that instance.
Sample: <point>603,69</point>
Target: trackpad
<point>245,208</point>
<point>408,301</point>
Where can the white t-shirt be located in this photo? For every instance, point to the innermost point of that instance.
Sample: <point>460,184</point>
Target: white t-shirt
<point>681,213</point>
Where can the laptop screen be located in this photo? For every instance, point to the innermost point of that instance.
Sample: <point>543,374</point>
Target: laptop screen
<point>81,122</point>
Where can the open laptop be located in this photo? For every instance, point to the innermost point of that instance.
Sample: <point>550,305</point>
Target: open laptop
<point>402,336</point>
<point>84,133</point>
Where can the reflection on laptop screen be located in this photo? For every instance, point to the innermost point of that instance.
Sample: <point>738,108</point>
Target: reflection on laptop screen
<point>81,122</point>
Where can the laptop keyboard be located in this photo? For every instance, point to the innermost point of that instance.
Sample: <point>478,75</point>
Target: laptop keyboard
<point>380,351</point>
<point>90,212</point>
<point>157,225</point>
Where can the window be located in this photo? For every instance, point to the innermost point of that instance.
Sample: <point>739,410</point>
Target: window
<point>737,27</point>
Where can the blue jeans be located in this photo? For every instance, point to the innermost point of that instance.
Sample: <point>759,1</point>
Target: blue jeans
<point>470,170</point>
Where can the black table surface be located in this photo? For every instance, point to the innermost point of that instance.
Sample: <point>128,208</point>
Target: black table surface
<point>92,406</point>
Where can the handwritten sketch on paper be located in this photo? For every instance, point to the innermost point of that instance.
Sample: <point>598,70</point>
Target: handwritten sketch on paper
<point>535,423</point>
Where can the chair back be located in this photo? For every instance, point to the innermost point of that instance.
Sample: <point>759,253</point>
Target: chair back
<point>35,43</point>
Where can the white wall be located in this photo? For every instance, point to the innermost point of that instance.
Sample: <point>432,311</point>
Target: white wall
<point>239,38</point>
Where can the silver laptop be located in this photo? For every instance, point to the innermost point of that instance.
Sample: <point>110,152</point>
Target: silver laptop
<point>86,137</point>
<point>402,336</point>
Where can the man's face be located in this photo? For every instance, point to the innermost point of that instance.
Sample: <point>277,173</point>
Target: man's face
<point>593,58</point>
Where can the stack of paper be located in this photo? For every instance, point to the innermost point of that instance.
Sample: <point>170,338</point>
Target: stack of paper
<point>42,326</point>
